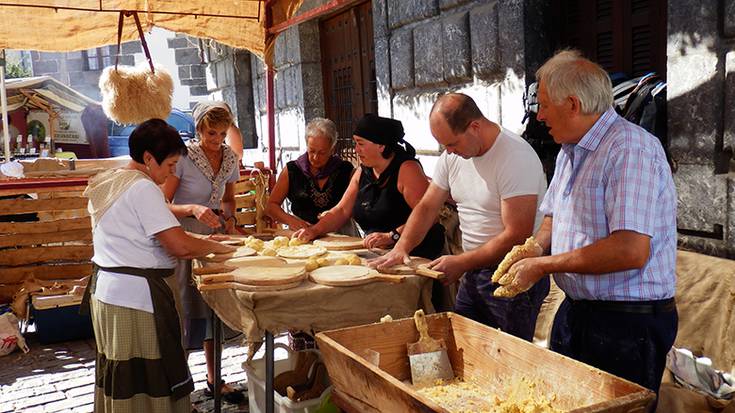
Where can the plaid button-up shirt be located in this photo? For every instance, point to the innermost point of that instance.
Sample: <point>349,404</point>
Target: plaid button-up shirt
<point>615,178</point>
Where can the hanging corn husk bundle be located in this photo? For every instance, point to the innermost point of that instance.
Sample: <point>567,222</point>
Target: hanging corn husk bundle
<point>133,95</point>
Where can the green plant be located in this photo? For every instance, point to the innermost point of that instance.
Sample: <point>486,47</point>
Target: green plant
<point>14,70</point>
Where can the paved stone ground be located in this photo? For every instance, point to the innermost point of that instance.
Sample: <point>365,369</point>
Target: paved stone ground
<point>59,377</point>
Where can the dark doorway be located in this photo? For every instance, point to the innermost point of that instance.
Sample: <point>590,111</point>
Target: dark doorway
<point>626,36</point>
<point>348,67</point>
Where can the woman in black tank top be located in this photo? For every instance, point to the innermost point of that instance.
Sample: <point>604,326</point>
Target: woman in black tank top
<point>383,192</point>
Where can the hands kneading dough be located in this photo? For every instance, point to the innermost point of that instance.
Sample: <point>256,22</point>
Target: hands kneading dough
<point>506,279</point>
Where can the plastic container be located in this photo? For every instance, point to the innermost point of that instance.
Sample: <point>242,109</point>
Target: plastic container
<point>57,319</point>
<point>256,386</point>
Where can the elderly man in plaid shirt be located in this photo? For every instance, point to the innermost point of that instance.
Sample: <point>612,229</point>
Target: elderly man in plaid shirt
<point>610,228</point>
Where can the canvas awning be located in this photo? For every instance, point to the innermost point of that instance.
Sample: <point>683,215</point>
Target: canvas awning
<point>48,89</point>
<point>66,25</point>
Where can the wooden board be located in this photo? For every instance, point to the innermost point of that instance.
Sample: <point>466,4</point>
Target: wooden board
<point>476,351</point>
<point>255,260</point>
<point>19,240</point>
<point>238,253</point>
<point>257,275</point>
<point>25,256</point>
<point>12,275</point>
<point>405,269</point>
<point>302,251</point>
<point>45,227</point>
<point>247,287</point>
<point>349,275</point>
<point>339,243</point>
<point>19,206</point>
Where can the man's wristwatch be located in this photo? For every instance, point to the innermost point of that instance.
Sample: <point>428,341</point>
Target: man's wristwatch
<point>395,236</point>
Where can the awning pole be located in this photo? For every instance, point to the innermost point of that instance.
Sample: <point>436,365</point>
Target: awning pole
<point>4,100</point>
<point>271,115</point>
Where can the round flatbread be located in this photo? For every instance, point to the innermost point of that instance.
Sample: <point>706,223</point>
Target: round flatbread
<point>339,243</point>
<point>301,251</point>
<point>239,252</point>
<point>406,269</point>
<point>339,274</point>
<point>247,287</point>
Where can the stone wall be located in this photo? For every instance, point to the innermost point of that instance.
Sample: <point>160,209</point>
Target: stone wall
<point>701,121</point>
<point>299,95</point>
<point>69,67</point>
<point>190,65</point>
<point>229,79</point>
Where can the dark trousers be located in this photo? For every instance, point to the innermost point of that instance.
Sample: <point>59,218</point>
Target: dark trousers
<point>516,316</point>
<point>626,342</point>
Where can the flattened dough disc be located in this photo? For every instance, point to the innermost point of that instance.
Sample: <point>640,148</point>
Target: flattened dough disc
<point>301,251</point>
<point>239,252</point>
<point>403,269</point>
<point>339,243</point>
<point>260,275</point>
<point>347,275</point>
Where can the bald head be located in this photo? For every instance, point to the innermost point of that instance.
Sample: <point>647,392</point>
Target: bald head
<point>457,109</point>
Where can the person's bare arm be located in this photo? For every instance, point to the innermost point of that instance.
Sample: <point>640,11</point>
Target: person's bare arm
<point>200,212</point>
<point>180,245</point>
<point>274,207</point>
<point>233,139</point>
<point>229,207</point>
<point>335,217</point>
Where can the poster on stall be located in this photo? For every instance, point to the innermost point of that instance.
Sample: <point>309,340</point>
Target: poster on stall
<point>68,128</point>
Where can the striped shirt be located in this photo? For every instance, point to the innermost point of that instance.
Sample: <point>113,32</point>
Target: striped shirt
<point>615,178</point>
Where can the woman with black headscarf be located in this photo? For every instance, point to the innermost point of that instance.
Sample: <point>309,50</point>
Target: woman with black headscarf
<point>383,191</point>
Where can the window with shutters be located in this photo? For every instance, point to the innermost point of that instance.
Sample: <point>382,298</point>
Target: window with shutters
<point>348,67</point>
<point>627,36</point>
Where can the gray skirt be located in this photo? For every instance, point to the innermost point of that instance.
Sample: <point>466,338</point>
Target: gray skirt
<point>196,316</point>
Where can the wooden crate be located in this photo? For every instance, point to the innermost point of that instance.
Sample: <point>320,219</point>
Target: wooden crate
<point>476,352</point>
<point>45,237</point>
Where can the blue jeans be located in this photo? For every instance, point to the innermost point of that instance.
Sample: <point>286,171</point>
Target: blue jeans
<point>516,316</point>
<point>628,345</point>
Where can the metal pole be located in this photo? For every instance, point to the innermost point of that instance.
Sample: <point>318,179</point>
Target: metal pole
<point>217,355</point>
<point>269,372</point>
<point>4,99</point>
<point>270,110</point>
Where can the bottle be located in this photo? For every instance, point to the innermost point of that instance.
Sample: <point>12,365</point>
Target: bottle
<point>21,148</point>
<point>43,151</point>
<point>48,144</point>
<point>31,145</point>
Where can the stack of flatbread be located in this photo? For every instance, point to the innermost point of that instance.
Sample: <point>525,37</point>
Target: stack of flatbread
<point>254,273</point>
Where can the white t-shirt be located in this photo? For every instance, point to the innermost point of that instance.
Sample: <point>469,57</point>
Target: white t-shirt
<point>125,237</point>
<point>508,169</point>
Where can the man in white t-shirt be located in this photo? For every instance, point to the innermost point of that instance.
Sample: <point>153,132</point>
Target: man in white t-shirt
<point>497,181</point>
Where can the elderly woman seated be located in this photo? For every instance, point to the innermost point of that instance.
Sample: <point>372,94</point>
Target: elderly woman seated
<point>313,183</point>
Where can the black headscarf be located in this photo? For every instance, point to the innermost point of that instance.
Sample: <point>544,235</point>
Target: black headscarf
<point>383,131</point>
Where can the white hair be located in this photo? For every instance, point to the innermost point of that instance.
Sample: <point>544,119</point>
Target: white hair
<point>322,127</point>
<point>567,73</point>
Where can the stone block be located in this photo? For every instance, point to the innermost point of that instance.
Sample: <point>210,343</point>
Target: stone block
<point>729,115</point>
<point>456,48</point>
<point>42,67</point>
<point>279,55</point>
<point>131,47</point>
<point>484,40</point>
<point>694,107</point>
<point>292,45</point>
<point>696,24</point>
<point>259,95</point>
<point>74,65</point>
<point>184,72</point>
<point>382,74</point>
<point>511,35</point>
<point>279,85</point>
<point>702,197</point>
<point>309,46</point>
<point>729,18</point>
<point>52,55</point>
<point>730,229</point>
<point>198,90</point>
<point>188,56</point>
<point>177,42</point>
<point>128,60</point>
<point>74,55</point>
<point>35,56</point>
<point>448,4</point>
<point>407,11</point>
<point>401,59</point>
<point>427,54</point>
<point>198,71</point>
<point>291,78</point>
<point>380,19</point>
<point>194,82</point>
<point>312,96</point>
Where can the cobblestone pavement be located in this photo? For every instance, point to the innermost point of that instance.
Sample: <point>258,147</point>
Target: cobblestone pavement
<point>60,377</point>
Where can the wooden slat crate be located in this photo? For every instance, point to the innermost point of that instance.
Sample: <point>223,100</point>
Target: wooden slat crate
<point>251,195</point>
<point>46,235</point>
<point>476,352</point>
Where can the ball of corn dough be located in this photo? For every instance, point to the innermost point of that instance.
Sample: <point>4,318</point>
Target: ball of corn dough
<point>354,260</point>
<point>323,262</point>
<point>280,241</point>
<point>268,251</point>
<point>342,261</point>
<point>311,264</point>
<point>295,241</point>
